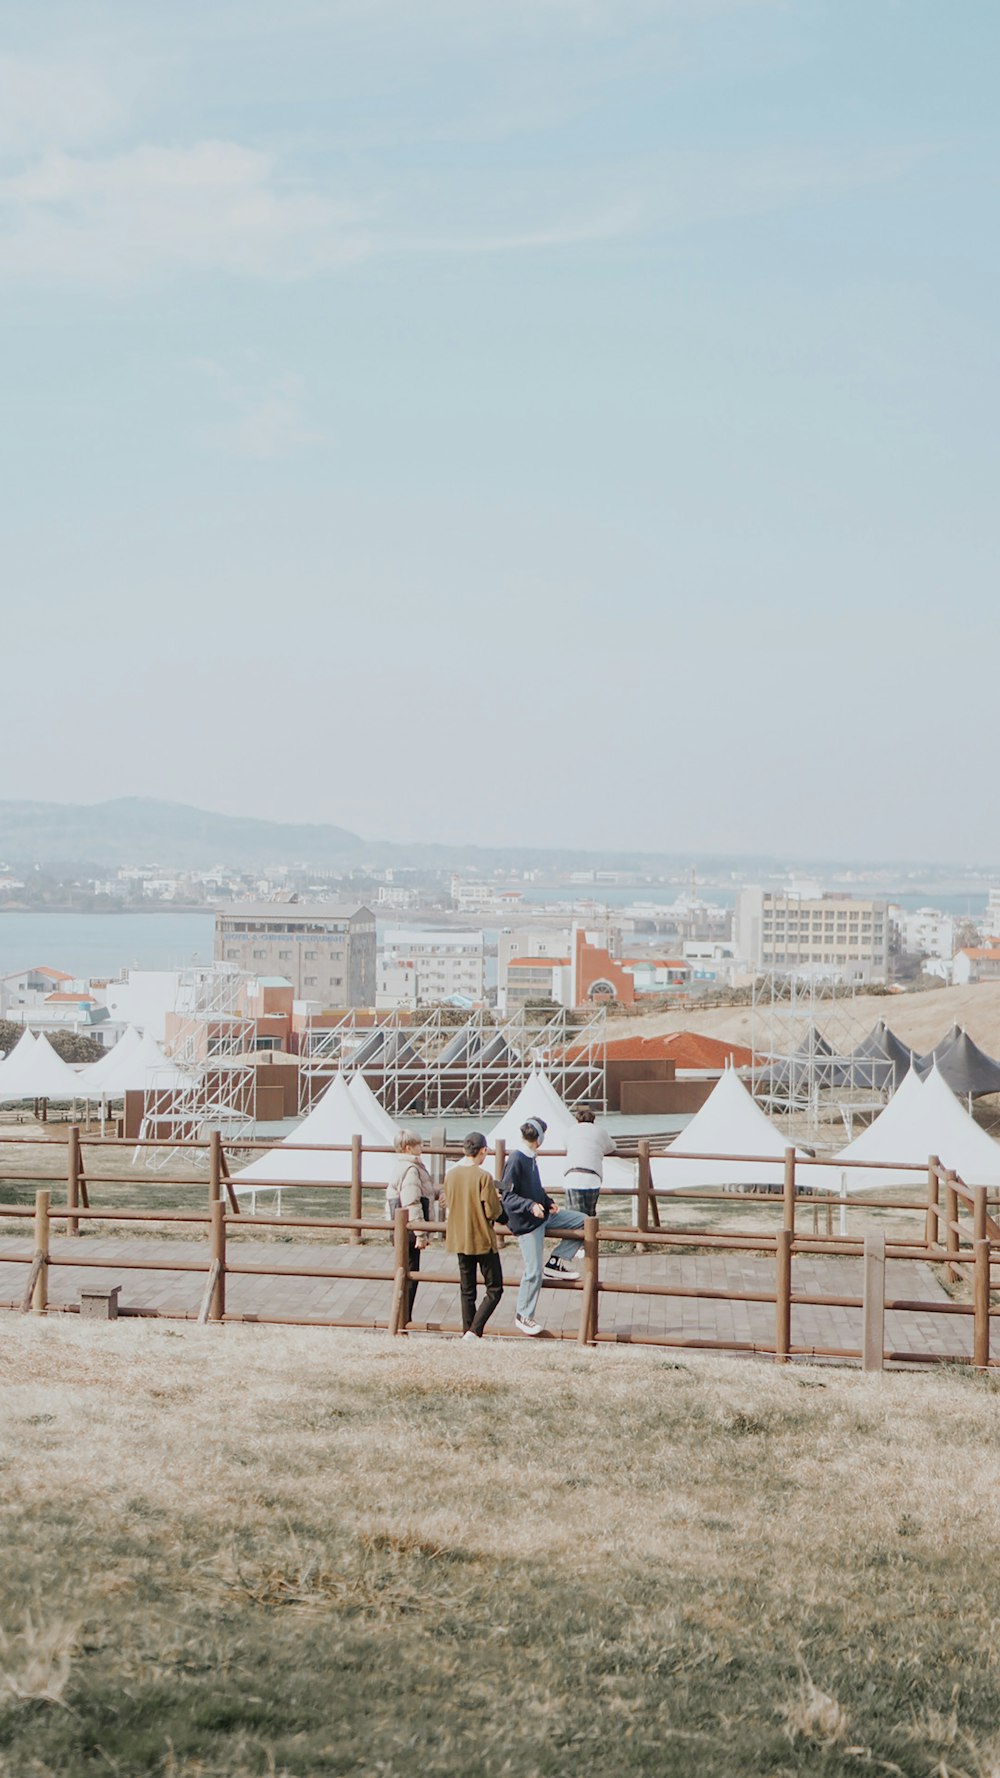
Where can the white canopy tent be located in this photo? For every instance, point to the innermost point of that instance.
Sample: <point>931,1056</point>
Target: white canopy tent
<point>15,1061</point>
<point>538,1098</point>
<point>334,1119</point>
<point>35,1071</point>
<point>922,1118</point>
<point>372,1110</point>
<point>136,1064</point>
<point>729,1123</point>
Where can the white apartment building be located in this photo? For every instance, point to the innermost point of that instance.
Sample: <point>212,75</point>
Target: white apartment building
<point>928,933</point>
<point>551,946</point>
<point>836,936</point>
<point>472,895</point>
<point>991,918</point>
<point>444,965</point>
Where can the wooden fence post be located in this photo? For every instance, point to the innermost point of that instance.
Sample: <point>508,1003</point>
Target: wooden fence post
<point>782,1296</point>
<point>873,1337</point>
<point>355,1210</point>
<point>40,1296</point>
<point>499,1163</point>
<point>979,1212</point>
<point>214,1169</point>
<point>789,1191</point>
<point>642,1197</point>
<point>401,1253</point>
<point>981,1302</point>
<point>217,1233</point>
<point>73,1177</point>
<point>587,1330</point>
<point>931,1234</point>
<point>951,1220</point>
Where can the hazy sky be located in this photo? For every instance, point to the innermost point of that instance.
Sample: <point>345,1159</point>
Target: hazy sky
<point>566,420</point>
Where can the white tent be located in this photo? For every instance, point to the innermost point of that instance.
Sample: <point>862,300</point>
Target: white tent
<point>15,1061</point>
<point>136,1064</point>
<point>921,1119</point>
<point>729,1123</point>
<point>538,1098</point>
<point>37,1072</point>
<point>335,1118</point>
<point>372,1110</point>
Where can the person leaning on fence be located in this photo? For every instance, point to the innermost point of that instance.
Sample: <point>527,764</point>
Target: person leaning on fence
<point>531,1213</point>
<point>473,1206</point>
<point>412,1189</point>
<point>584,1170</point>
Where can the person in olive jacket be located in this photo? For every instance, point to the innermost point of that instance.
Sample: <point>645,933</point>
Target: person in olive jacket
<point>473,1207</point>
<point>530,1214</point>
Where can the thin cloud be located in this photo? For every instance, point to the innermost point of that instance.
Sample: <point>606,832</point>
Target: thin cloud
<point>265,423</point>
<point>119,220</point>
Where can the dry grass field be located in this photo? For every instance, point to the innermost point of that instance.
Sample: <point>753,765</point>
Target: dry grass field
<point>281,1552</point>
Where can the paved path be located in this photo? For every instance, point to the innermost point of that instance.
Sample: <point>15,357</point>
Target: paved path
<point>156,1287</point>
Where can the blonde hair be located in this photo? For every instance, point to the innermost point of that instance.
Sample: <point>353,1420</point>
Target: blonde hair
<point>407,1139</point>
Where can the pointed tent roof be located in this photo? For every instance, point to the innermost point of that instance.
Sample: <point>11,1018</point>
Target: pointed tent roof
<point>16,1058</point>
<point>138,1065</point>
<point>729,1123</point>
<point>538,1098</point>
<point>42,1074</point>
<point>335,1118</point>
<point>921,1119</point>
<point>964,1067</point>
<point>890,1058</point>
<point>372,1110</point>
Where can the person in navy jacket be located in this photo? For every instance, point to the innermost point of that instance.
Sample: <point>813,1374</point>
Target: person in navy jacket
<point>530,1214</point>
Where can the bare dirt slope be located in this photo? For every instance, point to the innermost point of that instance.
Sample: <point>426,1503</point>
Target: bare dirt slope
<point>919,1019</point>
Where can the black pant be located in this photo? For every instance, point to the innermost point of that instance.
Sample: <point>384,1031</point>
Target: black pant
<point>413,1263</point>
<point>489,1264</point>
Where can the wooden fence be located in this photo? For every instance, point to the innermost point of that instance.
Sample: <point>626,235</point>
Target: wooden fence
<point>957,1232</point>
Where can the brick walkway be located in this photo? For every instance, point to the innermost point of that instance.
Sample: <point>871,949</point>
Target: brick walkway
<point>362,1300</point>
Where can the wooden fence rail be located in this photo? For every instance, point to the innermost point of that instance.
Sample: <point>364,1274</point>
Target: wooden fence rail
<point>958,1232</point>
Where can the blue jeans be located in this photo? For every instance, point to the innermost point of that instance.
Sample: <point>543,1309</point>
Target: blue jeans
<point>532,1247</point>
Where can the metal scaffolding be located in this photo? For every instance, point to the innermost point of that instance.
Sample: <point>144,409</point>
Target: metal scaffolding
<point>433,1068</point>
<point>804,1037</point>
<point>212,1049</point>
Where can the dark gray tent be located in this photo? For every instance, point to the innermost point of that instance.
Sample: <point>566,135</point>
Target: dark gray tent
<point>812,1063</point>
<point>963,1066</point>
<point>881,1061</point>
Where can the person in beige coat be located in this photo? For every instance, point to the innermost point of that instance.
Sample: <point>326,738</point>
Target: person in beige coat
<point>412,1189</point>
<point>473,1206</point>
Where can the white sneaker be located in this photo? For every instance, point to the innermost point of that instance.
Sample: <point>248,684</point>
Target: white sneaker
<point>525,1326</point>
<point>471,1336</point>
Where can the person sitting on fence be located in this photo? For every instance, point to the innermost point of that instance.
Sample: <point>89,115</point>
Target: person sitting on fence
<point>473,1206</point>
<point>412,1189</point>
<point>584,1170</point>
<point>531,1213</point>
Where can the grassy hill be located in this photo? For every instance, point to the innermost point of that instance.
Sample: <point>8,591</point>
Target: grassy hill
<point>287,1552</point>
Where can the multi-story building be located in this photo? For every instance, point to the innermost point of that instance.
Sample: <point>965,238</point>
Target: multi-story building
<point>928,933</point>
<point>445,965</point>
<point>326,950</point>
<point>834,935</point>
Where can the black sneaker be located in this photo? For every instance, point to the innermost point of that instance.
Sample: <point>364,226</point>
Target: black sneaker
<point>557,1268</point>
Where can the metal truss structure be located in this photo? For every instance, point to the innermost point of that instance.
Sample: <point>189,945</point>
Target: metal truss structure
<point>212,1053</point>
<point>432,1068</point>
<point>803,1033</point>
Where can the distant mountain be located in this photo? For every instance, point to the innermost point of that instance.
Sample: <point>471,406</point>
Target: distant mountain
<point>141,830</point>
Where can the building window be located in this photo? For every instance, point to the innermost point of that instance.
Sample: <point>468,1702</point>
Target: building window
<point>310,956</point>
<point>259,954</point>
<point>310,981</point>
<point>284,954</point>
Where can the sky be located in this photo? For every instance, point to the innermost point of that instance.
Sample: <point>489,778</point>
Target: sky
<point>558,422</point>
